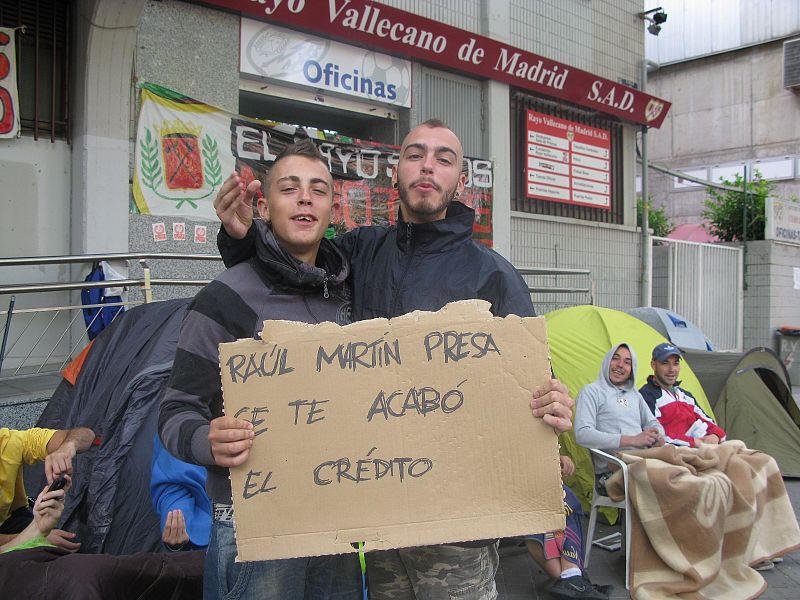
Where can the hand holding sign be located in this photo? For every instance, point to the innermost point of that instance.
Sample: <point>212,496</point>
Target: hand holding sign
<point>553,404</point>
<point>231,440</point>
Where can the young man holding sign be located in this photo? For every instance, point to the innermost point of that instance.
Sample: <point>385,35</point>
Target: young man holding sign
<point>425,261</point>
<point>295,275</point>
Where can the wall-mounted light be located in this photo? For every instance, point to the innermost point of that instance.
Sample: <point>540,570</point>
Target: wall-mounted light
<point>655,17</point>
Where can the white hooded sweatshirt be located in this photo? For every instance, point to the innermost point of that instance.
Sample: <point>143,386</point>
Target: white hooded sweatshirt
<point>605,412</point>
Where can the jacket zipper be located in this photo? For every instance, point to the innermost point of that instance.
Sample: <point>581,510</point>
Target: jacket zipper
<point>325,293</point>
<point>395,307</point>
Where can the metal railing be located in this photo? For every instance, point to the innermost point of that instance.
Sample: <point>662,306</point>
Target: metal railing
<point>570,287</point>
<point>704,283</point>
<point>48,337</point>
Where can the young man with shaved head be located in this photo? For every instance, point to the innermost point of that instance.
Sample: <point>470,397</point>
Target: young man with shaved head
<point>423,262</point>
<point>295,275</point>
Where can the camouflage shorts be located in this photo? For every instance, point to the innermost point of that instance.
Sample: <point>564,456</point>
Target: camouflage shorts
<point>433,573</point>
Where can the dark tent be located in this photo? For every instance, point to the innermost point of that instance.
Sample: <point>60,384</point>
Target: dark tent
<point>116,394</point>
<point>751,396</point>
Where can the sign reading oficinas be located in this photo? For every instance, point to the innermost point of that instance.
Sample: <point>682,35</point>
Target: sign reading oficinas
<point>783,221</point>
<point>286,55</point>
<point>401,33</point>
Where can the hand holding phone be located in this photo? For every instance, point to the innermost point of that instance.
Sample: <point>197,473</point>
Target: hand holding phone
<point>58,484</point>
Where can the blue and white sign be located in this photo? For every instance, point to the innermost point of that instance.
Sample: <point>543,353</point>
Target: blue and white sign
<point>783,220</point>
<point>294,57</point>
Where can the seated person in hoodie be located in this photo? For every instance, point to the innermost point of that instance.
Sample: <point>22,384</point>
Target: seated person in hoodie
<point>611,414</point>
<point>685,423</point>
<point>178,492</point>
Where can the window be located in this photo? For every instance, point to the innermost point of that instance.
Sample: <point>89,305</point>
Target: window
<point>43,48</point>
<point>520,104</point>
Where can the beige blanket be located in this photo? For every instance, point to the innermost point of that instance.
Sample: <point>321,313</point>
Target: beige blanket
<point>700,517</point>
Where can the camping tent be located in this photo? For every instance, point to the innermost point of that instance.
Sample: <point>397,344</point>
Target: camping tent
<point>116,394</point>
<point>579,337</point>
<point>681,332</point>
<point>752,399</point>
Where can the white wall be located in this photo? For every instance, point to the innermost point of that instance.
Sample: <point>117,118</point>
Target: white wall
<point>700,27</point>
<point>35,179</point>
<point>610,252</point>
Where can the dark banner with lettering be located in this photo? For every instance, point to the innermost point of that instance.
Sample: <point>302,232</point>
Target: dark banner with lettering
<point>185,149</point>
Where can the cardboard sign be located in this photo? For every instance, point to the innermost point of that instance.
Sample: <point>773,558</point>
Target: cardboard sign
<point>404,432</point>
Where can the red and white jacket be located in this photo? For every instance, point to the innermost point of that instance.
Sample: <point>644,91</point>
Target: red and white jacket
<point>680,415</point>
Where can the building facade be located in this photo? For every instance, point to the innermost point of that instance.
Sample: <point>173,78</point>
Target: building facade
<point>69,190</point>
<point>732,71</point>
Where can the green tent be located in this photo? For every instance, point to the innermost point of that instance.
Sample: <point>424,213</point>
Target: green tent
<point>752,399</point>
<point>579,337</point>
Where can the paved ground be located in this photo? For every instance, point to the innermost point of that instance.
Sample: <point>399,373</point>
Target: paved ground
<point>519,578</point>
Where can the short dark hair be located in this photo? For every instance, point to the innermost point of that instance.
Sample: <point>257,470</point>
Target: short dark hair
<point>435,123</point>
<point>305,148</point>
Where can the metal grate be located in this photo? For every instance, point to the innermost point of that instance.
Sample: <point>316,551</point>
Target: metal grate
<point>458,102</point>
<point>791,64</point>
<point>520,103</point>
<point>43,46</point>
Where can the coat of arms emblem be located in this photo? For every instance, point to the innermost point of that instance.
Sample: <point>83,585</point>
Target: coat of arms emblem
<point>180,163</point>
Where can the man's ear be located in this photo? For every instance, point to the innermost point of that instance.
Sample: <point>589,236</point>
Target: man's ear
<point>263,208</point>
<point>335,206</point>
<point>462,183</point>
<point>394,176</point>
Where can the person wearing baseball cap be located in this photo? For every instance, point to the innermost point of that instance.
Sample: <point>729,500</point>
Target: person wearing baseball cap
<point>684,422</point>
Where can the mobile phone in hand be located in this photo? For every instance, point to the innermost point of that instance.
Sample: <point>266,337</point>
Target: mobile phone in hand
<point>58,484</point>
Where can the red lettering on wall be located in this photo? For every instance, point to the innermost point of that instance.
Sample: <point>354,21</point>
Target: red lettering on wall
<point>6,104</point>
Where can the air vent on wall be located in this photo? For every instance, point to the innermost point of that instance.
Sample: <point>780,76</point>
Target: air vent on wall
<point>791,64</point>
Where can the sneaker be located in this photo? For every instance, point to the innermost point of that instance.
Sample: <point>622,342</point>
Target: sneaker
<point>764,565</point>
<point>578,587</point>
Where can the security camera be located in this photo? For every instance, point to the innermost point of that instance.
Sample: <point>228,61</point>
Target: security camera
<point>659,18</point>
<point>655,17</point>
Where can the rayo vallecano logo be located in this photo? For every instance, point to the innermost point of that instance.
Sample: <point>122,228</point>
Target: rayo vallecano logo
<point>653,109</point>
<point>179,163</point>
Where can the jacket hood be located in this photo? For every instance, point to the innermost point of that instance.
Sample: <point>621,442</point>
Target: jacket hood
<point>603,376</point>
<point>330,267</point>
<point>437,236</point>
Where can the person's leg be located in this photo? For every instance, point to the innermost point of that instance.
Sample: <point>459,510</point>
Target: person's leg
<point>387,576</point>
<point>572,582</point>
<point>17,521</point>
<point>449,572</point>
<point>334,577</point>
<point>551,566</point>
<point>224,578</point>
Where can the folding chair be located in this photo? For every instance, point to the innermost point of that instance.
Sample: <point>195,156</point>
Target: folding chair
<point>599,500</point>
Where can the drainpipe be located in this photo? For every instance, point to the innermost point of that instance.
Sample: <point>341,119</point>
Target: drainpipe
<point>646,292</point>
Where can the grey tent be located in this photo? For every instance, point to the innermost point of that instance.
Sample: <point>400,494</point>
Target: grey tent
<point>681,332</point>
<point>750,394</point>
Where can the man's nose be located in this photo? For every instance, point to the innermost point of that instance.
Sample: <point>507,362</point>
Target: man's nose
<point>305,196</point>
<point>427,164</point>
